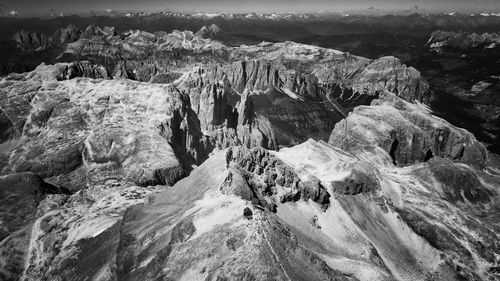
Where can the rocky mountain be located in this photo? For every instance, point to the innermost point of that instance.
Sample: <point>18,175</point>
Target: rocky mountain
<point>461,68</point>
<point>407,133</point>
<point>172,156</point>
<point>297,102</point>
<point>462,40</point>
<point>35,41</point>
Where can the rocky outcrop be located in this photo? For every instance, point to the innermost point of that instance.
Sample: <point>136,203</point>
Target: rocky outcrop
<point>362,179</point>
<point>264,75</point>
<point>264,179</point>
<point>363,77</point>
<point>262,67</point>
<point>306,101</point>
<point>183,132</point>
<point>202,225</point>
<point>407,132</point>
<point>136,45</point>
<point>285,69</point>
<point>213,105</point>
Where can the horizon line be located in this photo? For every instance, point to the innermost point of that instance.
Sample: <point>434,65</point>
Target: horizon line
<point>349,12</point>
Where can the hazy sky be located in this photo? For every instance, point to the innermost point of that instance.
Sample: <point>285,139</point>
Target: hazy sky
<point>80,6</point>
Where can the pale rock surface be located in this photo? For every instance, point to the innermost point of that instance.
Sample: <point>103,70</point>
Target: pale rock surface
<point>82,131</point>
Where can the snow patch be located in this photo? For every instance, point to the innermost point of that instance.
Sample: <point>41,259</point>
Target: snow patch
<point>291,94</point>
<point>216,209</point>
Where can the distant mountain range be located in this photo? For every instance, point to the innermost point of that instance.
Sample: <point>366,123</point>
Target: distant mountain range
<point>279,26</point>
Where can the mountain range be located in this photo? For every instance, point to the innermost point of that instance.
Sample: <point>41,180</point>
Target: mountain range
<point>204,155</point>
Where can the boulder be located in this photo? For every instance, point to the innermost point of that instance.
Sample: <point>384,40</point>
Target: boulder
<point>247,213</point>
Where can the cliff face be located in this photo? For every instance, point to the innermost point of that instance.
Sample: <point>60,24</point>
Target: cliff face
<point>305,100</point>
<point>82,69</point>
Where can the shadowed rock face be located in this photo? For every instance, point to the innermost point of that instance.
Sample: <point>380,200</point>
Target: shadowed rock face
<point>227,117</point>
<point>82,69</point>
<point>459,184</point>
<point>20,195</point>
